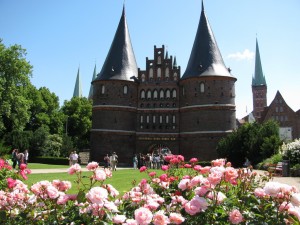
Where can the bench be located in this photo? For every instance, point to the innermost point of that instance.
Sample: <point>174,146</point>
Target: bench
<point>275,169</point>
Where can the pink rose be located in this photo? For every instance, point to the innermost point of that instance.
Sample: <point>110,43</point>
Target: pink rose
<point>295,199</point>
<point>184,184</point>
<point>176,218</point>
<point>99,175</point>
<point>92,166</point>
<point>163,177</point>
<point>97,195</point>
<point>143,216</point>
<point>272,188</point>
<point>52,192</point>
<point>164,167</point>
<point>131,222</point>
<point>218,162</point>
<point>119,219</point>
<point>74,169</point>
<point>201,191</point>
<point>143,168</point>
<point>259,192</point>
<point>10,182</point>
<point>187,165</point>
<point>205,170</point>
<point>196,205</point>
<point>235,217</point>
<point>215,178</point>
<point>152,174</point>
<point>160,218</point>
<point>193,160</point>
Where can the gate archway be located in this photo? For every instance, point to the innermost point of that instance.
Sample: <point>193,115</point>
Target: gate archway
<point>158,149</point>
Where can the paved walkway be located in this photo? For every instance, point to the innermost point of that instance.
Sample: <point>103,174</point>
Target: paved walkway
<point>286,180</point>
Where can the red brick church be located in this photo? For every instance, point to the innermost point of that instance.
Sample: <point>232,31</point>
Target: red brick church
<point>144,110</point>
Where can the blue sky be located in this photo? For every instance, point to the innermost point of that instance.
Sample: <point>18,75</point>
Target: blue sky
<point>61,36</point>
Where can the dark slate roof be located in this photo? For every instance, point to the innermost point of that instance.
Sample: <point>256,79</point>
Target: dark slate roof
<point>259,78</point>
<point>91,87</point>
<point>120,63</point>
<point>77,89</point>
<point>205,58</point>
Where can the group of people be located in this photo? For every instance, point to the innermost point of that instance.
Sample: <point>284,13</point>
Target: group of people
<point>151,160</point>
<point>19,158</point>
<point>111,161</point>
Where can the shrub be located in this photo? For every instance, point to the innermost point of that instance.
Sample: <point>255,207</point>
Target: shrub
<point>50,160</point>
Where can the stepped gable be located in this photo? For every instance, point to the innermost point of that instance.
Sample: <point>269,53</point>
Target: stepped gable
<point>259,78</point>
<point>120,63</point>
<point>205,58</point>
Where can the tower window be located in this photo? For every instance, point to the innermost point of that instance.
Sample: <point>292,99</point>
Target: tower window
<point>154,119</point>
<point>125,90</point>
<point>167,72</point>
<point>147,119</point>
<point>168,94</point>
<point>161,94</point>
<point>174,93</point>
<point>102,89</point>
<point>148,94</point>
<point>151,73</point>
<point>158,72</point>
<point>160,119</point>
<point>174,119</point>
<point>142,94</point>
<point>143,77</point>
<point>159,60</point>
<point>155,94</point>
<point>141,119</point>
<point>202,87</point>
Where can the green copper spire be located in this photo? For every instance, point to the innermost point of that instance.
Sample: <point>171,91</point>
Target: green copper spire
<point>77,89</point>
<point>93,78</point>
<point>259,78</point>
<point>175,63</point>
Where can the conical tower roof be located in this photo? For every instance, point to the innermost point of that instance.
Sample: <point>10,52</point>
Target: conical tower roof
<point>91,88</point>
<point>205,58</point>
<point>259,78</point>
<point>120,63</point>
<point>77,88</point>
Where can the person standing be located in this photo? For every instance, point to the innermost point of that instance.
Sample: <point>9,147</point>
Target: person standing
<point>14,156</point>
<point>20,158</point>
<point>113,161</point>
<point>75,158</point>
<point>106,160</point>
<point>135,161</point>
<point>26,156</point>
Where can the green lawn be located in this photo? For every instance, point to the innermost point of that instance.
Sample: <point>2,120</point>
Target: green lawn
<point>121,179</point>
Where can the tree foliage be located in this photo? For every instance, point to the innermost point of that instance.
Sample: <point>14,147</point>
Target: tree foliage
<point>252,140</point>
<point>15,73</point>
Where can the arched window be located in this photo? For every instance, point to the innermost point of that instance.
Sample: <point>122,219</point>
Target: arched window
<point>141,119</point>
<point>174,119</point>
<point>202,87</point>
<point>174,93</point>
<point>142,94</point>
<point>147,119</point>
<point>143,77</point>
<point>154,119</point>
<point>167,119</point>
<point>102,89</point>
<point>159,60</point>
<point>155,94</point>
<point>175,76</point>
<point>148,94</point>
<point>125,90</point>
<point>161,94</point>
<point>168,93</point>
<point>167,73</point>
<point>151,73</point>
<point>160,119</point>
<point>158,72</point>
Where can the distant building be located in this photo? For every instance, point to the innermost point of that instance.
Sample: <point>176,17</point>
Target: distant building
<point>141,111</point>
<point>278,110</point>
<point>77,89</point>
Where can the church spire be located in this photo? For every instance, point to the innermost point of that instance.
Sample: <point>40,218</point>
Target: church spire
<point>120,63</point>
<point>77,89</point>
<point>205,58</point>
<point>259,78</point>
<point>91,88</point>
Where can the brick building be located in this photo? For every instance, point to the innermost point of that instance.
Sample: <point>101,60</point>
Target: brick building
<point>278,110</point>
<point>137,110</point>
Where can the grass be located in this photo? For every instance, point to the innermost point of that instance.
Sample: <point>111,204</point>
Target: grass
<point>121,179</point>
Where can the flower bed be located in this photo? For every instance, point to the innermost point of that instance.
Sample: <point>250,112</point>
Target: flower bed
<point>183,194</point>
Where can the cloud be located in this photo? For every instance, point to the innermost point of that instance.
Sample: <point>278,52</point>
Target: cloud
<point>245,55</point>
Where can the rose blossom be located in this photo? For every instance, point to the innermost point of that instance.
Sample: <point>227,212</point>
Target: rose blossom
<point>74,169</point>
<point>230,174</point>
<point>92,166</point>
<point>176,218</point>
<point>197,204</point>
<point>215,178</point>
<point>130,222</point>
<point>99,175</point>
<point>218,162</point>
<point>143,168</point>
<point>295,199</point>
<point>163,177</point>
<point>193,160</point>
<point>143,216</point>
<point>52,192</point>
<point>272,188</point>
<point>235,217</point>
<point>152,174</point>
<point>119,219</point>
<point>201,191</point>
<point>10,182</point>
<point>164,167</point>
<point>205,170</point>
<point>97,195</point>
<point>259,192</point>
<point>160,218</point>
<point>184,184</point>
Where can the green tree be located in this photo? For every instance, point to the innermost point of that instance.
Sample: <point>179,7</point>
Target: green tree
<point>78,113</point>
<point>45,110</point>
<point>252,140</point>
<point>52,146</point>
<point>15,73</point>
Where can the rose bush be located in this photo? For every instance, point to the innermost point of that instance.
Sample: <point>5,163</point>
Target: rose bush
<point>186,193</point>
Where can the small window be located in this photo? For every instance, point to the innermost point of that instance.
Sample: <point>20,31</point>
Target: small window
<point>167,119</point>
<point>154,119</point>
<point>151,73</point>
<point>202,87</point>
<point>158,72</point>
<point>102,89</point>
<point>159,60</point>
<point>148,119</point>
<point>142,94</point>
<point>155,94</point>
<point>142,119</point>
<point>125,90</point>
<point>175,76</point>
<point>160,119</point>
<point>143,77</point>
<point>174,119</point>
<point>148,94</point>
<point>167,73</point>
<point>168,93</point>
<point>161,94</point>
<point>174,93</point>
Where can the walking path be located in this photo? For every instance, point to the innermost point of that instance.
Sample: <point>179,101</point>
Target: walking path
<point>294,181</point>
